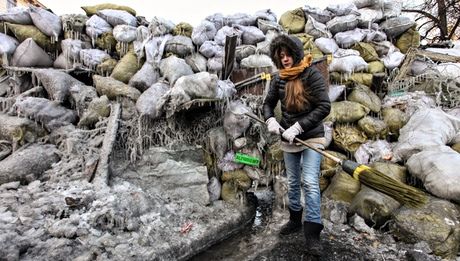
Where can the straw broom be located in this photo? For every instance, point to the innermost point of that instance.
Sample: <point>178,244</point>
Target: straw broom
<point>372,178</point>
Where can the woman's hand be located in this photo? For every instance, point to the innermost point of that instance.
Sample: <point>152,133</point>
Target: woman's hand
<point>273,126</point>
<point>292,132</point>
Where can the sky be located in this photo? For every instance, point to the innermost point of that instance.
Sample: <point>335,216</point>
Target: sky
<point>190,11</point>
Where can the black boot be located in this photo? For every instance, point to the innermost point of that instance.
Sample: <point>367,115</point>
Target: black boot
<point>313,243</point>
<point>294,224</point>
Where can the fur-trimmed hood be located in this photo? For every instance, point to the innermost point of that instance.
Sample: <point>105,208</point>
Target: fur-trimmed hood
<point>291,43</point>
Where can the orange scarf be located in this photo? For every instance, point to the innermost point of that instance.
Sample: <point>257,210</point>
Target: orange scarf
<point>292,73</point>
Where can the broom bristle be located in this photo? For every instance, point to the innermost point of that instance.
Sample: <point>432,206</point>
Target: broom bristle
<point>396,189</point>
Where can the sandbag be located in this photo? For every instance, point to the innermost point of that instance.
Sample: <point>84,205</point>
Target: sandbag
<point>217,142</point>
<point>215,64</point>
<point>266,26</point>
<point>96,26</point>
<point>346,112</point>
<point>179,45</point>
<point>125,33</point>
<point>145,77</point>
<point>240,19</point>
<point>19,130</point>
<point>342,9</point>
<point>395,119</point>
<point>251,35</point>
<point>106,41</point>
<point>97,109</point>
<point>197,62</point>
<point>17,15</point>
<point>363,95</point>
<point>93,9</point>
<point>293,21</point>
<point>348,64</point>
<point>92,57</point>
<point>51,114</point>
<point>73,25</point>
<point>112,88</point>
<point>348,137</point>
<point>198,85</point>
<point>23,32</point>
<point>147,103</point>
<point>411,38</point>
<point>222,33</point>
<point>375,67</point>
<point>116,17</point>
<point>184,29</point>
<point>342,23</point>
<point>56,83</point>
<point>393,60</point>
<point>71,49</point>
<point>154,49</point>
<point>366,51</point>
<point>225,89</point>
<point>244,51</point>
<point>265,14</point>
<point>361,78</point>
<point>80,97</point>
<point>160,26</point>
<point>205,31</point>
<point>126,68</point>
<point>395,26</point>
<point>29,54</point>
<point>329,167</point>
<point>326,45</point>
<point>28,163</point>
<point>438,170</point>
<point>373,127</point>
<point>367,16</point>
<point>8,44</point>
<point>316,29</point>
<point>105,68</point>
<point>335,91</point>
<point>257,61</point>
<point>346,39</point>
<point>235,121</point>
<point>172,68</point>
<point>210,49</point>
<point>321,15</point>
<point>45,21</point>
<point>373,151</point>
<point>343,187</point>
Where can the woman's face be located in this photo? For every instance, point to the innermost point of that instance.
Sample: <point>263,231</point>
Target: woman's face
<point>286,59</point>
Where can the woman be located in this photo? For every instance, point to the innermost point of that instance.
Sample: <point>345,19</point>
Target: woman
<point>301,89</point>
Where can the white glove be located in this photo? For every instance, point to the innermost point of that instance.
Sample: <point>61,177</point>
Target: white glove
<point>273,126</point>
<point>292,132</point>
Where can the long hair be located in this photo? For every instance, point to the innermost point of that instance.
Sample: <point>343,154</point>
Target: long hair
<point>296,97</point>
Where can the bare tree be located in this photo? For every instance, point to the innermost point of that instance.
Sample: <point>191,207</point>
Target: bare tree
<point>437,20</point>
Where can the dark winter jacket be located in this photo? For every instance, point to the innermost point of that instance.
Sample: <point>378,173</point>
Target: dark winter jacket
<point>319,105</point>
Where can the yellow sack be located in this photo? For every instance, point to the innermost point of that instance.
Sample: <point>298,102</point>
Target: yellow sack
<point>184,29</point>
<point>126,68</point>
<point>411,38</point>
<point>91,10</point>
<point>366,51</point>
<point>293,21</point>
<point>376,67</point>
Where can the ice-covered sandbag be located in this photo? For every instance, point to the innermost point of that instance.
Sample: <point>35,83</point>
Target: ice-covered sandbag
<point>92,10</point>
<point>197,62</point>
<point>56,83</point>
<point>180,45</point>
<point>335,91</point>
<point>28,163</point>
<point>374,36</point>
<point>97,109</point>
<point>426,128</point>
<point>125,33</point>
<point>145,77</point>
<point>346,39</point>
<point>47,22</point>
<point>147,102</point>
<point>391,8</point>
<point>342,23</point>
<point>210,49</point>
<point>17,15</point>
<point>8,44</point>
<point>240,19</point>
<point>373,151</point>
<point>116,17</point>
<point>367,51</point>
<point>257,61</point>
<point>112,88</point>
<point>367,16</point>
<point>326,45</point>
<point>244,51</point>
<point>346,112</point>
<point>348,64</point>
<point>80,97</point>
<point>154,49</point>
<point>316,29</point>
<point>225,89</point>
<point>365,96</point>
<point>71,49</point>
<point>198,85</point>
<point>383,48</point>
<point>214,189</point>
<point>265,14</point>
<point>160,26</point>
<point>320,15</point>
<point>421,66</point>
<point>217,19</point>
<point>449,70</point>
<point>393,60</point>
<point>29,54</point>
<point>126,68</point>
<point>215,64</point>
<point>51,114</point>
<point>225,31</point>
<point>394,27</point>
<point>373,127</point>
<point>410,101</point>
<point>96,26</point>
<point>266,26</point>
<point>251,35</point>
<point>172,68</point>
<point>342,9</point>
<point>345,52</point>
<point>92,57</point>
<point>18,129</point>
<point>437,168</point>
<point>235,120</point>
<point>205,31</point>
